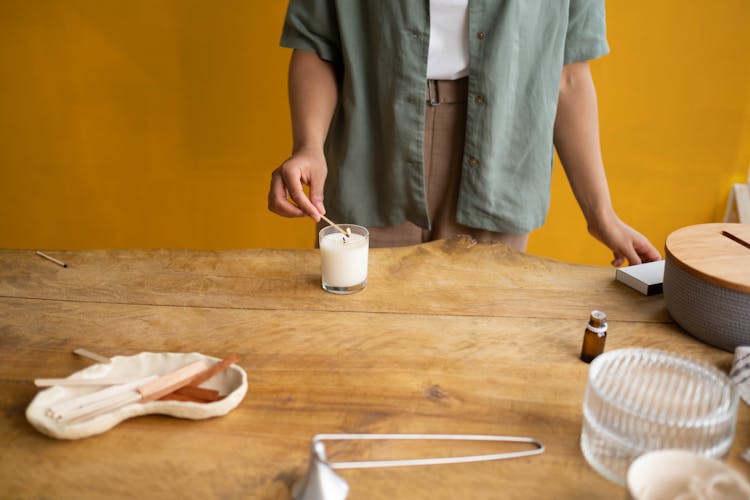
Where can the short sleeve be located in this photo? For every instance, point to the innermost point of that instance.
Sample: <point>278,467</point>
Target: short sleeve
<point>586,37</point>
<point>312,25</point>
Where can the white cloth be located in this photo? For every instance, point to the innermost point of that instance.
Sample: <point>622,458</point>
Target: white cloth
<point>740,373</point>
<point>448,55</point>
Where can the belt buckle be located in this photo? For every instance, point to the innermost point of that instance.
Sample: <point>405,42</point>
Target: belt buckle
<point>432,93</point>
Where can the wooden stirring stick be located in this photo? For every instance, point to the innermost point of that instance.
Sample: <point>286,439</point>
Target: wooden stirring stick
<point>94,400</point>
<point>91,355</point>
<point>216,368</point>
<point>151,390</point>
<point>82,382</point>
<point>193,392</point>
<point>171,381</point>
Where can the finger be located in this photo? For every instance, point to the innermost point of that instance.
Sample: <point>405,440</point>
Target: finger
<point>625,252</point>
<point>649,253</point>
<point>645,250</point>
<point>316,193</point>
<point>278,201</point>
<point>632,256</point>
<point>297,194</point>
<point>617,260</point>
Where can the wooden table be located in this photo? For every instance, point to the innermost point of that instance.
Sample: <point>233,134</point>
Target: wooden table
<point>448,337</point>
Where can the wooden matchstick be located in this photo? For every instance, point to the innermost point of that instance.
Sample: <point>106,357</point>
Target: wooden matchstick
<point>51,259</point>
<point>346,233</point>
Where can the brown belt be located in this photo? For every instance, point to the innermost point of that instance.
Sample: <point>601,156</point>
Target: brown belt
<point>445,91</point>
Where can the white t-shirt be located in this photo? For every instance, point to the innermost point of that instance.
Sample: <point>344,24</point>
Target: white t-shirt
<point>448,56</point>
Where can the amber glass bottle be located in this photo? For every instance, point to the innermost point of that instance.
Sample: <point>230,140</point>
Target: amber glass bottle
<point>594,336</point>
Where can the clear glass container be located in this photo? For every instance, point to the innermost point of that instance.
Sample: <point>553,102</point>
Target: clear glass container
<point>639,400</point>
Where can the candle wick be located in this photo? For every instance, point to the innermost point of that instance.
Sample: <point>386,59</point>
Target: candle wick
<point>347,235</point>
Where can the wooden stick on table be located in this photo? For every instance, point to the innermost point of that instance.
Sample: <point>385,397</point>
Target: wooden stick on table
<point>91,355</point>
<point>81,382</point>
<point>149,391</point>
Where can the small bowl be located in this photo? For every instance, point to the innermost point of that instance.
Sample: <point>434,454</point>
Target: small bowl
<point>669,474</point>
<point>231,383</point>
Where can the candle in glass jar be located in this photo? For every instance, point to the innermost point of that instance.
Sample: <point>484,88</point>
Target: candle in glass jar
<point>343,258</point>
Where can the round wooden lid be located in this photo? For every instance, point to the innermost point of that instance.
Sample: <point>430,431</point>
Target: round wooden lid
<point>716,253</point>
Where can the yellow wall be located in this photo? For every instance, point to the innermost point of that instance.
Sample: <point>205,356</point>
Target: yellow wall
<point>674,102</point>
<point>156,123</point>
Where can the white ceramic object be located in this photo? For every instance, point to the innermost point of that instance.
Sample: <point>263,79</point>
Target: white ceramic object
<point>231,384</point>
<point>670,474</point>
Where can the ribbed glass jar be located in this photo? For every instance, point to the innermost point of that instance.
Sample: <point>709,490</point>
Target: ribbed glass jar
<point>639,400</point>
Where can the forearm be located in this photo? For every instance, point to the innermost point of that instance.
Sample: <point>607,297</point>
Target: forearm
<point>577,143</point>
<point>313,93</point>
<point>576,138</point>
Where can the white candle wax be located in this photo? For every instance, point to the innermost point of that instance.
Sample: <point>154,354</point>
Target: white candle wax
<point>343,259</point>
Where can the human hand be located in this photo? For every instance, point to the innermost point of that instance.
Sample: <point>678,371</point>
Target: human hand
<point>624,241</point>
<point>287,197</point>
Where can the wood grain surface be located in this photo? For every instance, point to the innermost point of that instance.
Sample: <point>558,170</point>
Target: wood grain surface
<point>716,253</point>
<point>448,337</point>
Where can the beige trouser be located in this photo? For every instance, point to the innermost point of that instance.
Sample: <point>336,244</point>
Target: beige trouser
<point>445,125</point>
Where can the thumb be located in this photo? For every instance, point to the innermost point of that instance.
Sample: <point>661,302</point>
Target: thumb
<point>617,259</point>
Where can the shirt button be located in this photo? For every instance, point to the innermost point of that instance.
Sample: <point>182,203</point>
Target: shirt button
<point>473,162</point>
<point>481,35</point>
<point>479,99</point>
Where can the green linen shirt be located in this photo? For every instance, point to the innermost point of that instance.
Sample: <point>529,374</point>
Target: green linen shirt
<point>374,145</point>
